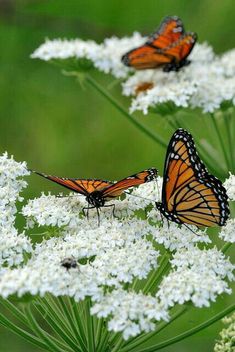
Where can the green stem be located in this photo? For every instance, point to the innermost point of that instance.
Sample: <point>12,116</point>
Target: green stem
<point>229,129</point>
<point>14,310</point>
<point>189,332</point>
<point>70,320</point>
<point>54,313</point>
<point>104,339</point>
<point>157,273</point>
<point>115,103</point>
<point>90,328</point>
<point>57,324</point>
<point>51,346</point>
<point>78,317</point>
<point>222,144</point>
<point>129,346</point>
<point>118,345</point>
<point>22,333</point>
<point>99,331</point>
<point>225,247</point>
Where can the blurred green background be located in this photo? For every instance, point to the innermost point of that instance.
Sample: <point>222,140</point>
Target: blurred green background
<point>58,127</point>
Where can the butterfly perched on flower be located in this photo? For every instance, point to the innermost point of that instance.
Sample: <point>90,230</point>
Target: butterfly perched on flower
<point>169,47</point>
<point>190,195</point>
<point>98,192</point>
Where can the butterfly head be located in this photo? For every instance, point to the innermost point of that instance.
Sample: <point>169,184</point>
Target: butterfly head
<point>96,199</point>
<point>125,59</point>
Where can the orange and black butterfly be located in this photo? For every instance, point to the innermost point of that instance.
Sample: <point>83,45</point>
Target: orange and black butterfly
<point>190,195</point>
<point>98,192</point>
<point>169,47</point>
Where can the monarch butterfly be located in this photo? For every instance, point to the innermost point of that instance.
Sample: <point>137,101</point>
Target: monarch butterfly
<point>190,195</point>
<point>169,47</point>
<point>98,192</point>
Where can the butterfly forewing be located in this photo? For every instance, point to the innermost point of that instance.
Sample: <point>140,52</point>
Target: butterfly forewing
<point>82,186</point>
<point>170,30</point>
<point>189,191</point>
<point>145,57</point>
<point>119,187</point>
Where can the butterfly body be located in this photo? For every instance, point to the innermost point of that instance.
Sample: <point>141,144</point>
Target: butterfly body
<point>168,47</point>
<point>96,199</point>
<point>190,195</point>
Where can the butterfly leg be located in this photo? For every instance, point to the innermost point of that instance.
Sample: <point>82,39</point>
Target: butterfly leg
<point>168,67</point>
<point>113,210</point>
<point>87,213</point>
<point>98,215</point>
<point>191,230</point>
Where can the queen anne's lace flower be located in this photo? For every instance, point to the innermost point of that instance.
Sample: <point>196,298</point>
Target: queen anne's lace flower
<point>109,257</point>
<point>131,312</point>
<point>205,83</point>
<point>227,341</point>
<point>198,276</point>
<point>229,184</point>
<point>227,232</point>
<point>12,245</point>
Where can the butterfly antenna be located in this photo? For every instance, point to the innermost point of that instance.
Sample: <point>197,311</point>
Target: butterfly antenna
<point>158,190</point>
<point>190,229</point>
<point>134,195</point>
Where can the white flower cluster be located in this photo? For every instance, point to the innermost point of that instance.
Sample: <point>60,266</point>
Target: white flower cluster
<point>105,56</point>
<point>128,308</point>
<point>205,83</point>
<point>115,253</point>
<point>227,232</point>
<point>198,276</point>
<point>12,244</point>
<point>109,256</point>
<point>229,184</point>
<point>227,341</point>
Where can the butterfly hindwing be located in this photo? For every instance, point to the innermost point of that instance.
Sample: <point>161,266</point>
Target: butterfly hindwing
<point>190,193</point>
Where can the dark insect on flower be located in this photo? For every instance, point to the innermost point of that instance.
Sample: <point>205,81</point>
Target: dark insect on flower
<point>69,263</point>
<point>190,195</point>
<point>98,192</point>
<point>168,47</point>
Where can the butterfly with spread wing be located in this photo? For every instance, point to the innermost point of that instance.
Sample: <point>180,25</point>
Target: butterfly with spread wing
<point>98,192</point>
<point>190,195</point>
<point>169,47</point>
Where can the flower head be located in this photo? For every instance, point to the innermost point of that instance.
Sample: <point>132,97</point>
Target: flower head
<point>206,83</point>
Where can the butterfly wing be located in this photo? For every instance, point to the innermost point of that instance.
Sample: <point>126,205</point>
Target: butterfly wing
<point>145,57</point>
<point>189,192</point>
<point>119,187</point>
<point>82,186</point>
<point>180,49</point>
<point>171,29</point>
<point>169,44</point>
